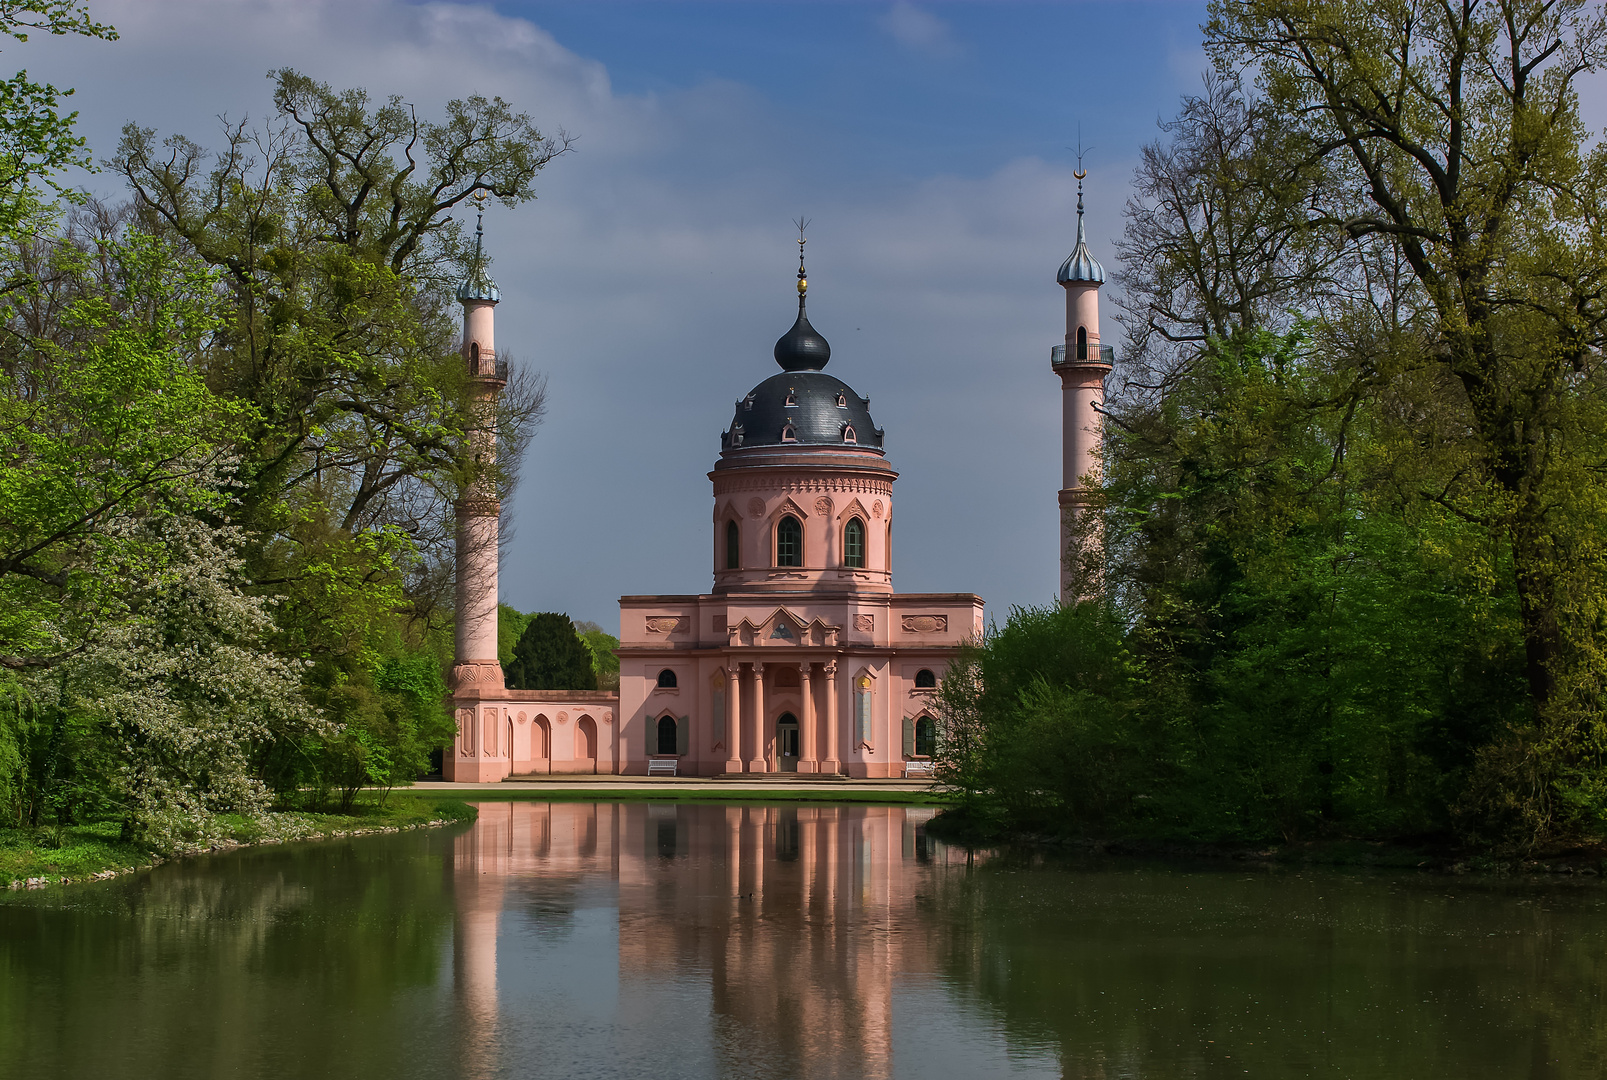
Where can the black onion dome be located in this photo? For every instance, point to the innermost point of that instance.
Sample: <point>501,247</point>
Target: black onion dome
<point>807,408</point>
<point>802,348</point>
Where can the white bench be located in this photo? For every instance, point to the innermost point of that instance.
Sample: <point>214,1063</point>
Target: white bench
<point>664,766</point>
<point>919,768</point>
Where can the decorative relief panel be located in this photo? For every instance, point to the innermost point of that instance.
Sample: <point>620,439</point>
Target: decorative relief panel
<point>823,506</point>
<point>864,623</point>
<point>756,507</point>
<point>563,718</point>
<point>925,624</point>
<point>608,716</point>
<point>663,624</point>
<point>876,509</point>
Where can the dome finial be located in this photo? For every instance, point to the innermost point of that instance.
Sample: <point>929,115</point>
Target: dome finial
<point>802,348</point>
<point>803,275</point>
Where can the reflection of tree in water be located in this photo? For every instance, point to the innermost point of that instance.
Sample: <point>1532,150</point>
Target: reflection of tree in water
<point>205,963</point>
<point>1161,972</point>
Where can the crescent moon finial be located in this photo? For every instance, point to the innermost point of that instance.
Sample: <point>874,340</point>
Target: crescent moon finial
<point>1079,175</point>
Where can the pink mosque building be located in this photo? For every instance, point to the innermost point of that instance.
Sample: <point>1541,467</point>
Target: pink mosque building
<point>802,658</point>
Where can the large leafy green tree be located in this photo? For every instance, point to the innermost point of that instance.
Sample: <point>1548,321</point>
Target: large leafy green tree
<point>1448,134</point>
<point>333,234</point>
<point>1409,488</point>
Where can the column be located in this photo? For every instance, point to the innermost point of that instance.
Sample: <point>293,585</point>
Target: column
<point>756,763</point>
<point>807,762</point>
<point>733,718</point>
<point>832,763</point>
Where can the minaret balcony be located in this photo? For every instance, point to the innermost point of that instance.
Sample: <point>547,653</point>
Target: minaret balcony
<point>1095,354</point>
<point>489,370</point>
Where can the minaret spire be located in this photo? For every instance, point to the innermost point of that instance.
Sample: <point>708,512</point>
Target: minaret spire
<point>1082,364</point>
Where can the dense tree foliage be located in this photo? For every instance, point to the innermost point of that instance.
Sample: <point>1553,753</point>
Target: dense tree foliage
<point>1353,519</point>
<point>550,655</point>
<point>234,413</point>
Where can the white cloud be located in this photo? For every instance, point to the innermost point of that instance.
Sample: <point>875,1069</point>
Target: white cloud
<point>654,273</point>
<point>919,30</point>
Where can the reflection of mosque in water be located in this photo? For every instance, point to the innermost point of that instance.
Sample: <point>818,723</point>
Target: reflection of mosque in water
<point>791,922</point>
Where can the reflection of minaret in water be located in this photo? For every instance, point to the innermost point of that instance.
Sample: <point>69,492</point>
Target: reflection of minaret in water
<point>1082,364</point>
<point>479,871</point>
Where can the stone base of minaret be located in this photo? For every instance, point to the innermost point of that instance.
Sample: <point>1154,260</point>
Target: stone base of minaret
<point>483,750</point>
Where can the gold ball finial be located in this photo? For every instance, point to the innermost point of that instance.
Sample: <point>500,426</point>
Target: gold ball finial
<point>803,285</point>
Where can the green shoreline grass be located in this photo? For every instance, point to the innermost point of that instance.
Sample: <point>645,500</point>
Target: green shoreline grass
<point>34,858</point>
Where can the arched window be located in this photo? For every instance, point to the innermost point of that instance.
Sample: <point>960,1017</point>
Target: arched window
<point>474,358</point>
<point>666,679</point>
<point>925,680</point>
<point>733,546</point>
<point>789,542</point>
<point>586,738</point>
<point>789,433</point>
<point>792,400</point>
<point>848,434</point>
<point>925,737</point>
<point>1082,342</point>
<point>666,735</point>
<point>854,543</point>
<point>842,400</point>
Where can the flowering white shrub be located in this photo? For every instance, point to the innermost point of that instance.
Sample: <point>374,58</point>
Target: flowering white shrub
<point>184,687</point>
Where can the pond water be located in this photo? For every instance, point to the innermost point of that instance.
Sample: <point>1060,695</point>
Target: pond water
<point>677,940</point>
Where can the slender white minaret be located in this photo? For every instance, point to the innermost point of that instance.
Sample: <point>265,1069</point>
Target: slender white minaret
<point>1082,364</point>
<point>477,672</point>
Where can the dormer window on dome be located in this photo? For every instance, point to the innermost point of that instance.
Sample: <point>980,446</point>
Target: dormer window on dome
<point>747,402</point>
<point>792,399</point>
<point>789,433</point>
<point>842,399</point>
<point>848,434</point>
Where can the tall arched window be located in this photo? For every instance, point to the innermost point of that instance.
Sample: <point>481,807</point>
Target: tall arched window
<point>789,542</point>
<point>474,358</point>
<point>1082,342</point>
<point>733,546</point>
<point>854,543</point>
<point>666,735</point>
<point>925,737</point>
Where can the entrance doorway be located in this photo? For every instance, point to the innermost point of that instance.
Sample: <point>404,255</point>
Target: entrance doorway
<point>787,742</point>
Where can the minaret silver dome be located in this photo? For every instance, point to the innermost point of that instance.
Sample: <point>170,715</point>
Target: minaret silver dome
<point>1080,267</point>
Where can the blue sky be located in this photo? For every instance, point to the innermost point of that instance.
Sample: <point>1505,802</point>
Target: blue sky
<point>928,143</point>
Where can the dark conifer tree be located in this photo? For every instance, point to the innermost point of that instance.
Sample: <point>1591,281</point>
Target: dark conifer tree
<point>550,656</point>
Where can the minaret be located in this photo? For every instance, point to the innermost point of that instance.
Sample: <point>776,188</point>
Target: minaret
<point>476,672</point>
<point>1082,363</point>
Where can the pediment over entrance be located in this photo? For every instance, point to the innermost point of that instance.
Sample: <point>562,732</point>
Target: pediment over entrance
<point>784,628</point>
